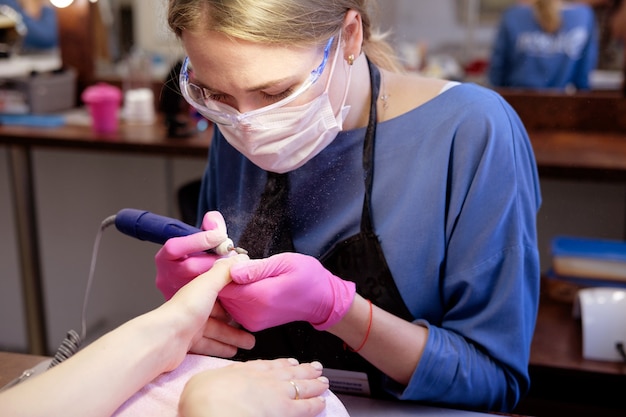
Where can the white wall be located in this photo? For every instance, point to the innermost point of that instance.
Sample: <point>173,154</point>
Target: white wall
<point>438,24</point>
<point>151,30</point>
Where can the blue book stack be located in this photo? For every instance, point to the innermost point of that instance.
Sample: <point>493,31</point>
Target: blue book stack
<point>589,262</point>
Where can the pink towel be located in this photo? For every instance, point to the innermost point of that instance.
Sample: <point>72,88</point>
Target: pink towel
<point>160,397</point>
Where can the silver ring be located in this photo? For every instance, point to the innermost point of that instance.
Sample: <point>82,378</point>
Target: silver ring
<point>295,387</point>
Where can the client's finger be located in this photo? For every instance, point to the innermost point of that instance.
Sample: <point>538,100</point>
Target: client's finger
<point>201,292</point>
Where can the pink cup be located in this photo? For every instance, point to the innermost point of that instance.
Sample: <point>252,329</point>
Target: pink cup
<point>103,101</point>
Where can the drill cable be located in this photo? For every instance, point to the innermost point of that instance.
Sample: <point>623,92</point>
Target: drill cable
<point>72,342</point>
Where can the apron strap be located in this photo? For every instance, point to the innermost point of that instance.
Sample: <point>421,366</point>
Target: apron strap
<point>368,148</point>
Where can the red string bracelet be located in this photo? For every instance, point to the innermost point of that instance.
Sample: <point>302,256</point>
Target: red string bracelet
<point>369,327</point>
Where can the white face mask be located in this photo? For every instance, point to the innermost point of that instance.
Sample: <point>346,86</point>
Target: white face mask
<point>285,138</point>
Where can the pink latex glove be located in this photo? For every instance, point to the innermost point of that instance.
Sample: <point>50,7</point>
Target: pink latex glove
<point>284,288</point>
<point>182,259</point>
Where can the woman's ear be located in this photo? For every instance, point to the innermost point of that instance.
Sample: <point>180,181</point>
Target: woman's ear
<point>352,36</point>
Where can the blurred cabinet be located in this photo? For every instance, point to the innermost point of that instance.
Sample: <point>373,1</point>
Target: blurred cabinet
<point>12,317</point>
<point>74,192</point>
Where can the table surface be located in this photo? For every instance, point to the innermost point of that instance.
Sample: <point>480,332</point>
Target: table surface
<point>131,138</point>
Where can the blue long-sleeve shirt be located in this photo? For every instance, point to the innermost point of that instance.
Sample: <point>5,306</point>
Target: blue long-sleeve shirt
<point>525,56</point>
<point>454,204</point>
<point>42,33</point>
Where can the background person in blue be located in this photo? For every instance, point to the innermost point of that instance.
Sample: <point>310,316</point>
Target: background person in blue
<point>408,239</point>
<point>40,20</point>
<point>545,44</point>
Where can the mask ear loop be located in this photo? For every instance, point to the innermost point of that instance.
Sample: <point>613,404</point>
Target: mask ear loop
<point>332,67</point>
<point>343,108</point>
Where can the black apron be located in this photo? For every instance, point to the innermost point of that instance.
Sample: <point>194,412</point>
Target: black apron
<point>358,258</point>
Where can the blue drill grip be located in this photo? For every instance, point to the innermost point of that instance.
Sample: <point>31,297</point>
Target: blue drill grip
<point>145,225</point>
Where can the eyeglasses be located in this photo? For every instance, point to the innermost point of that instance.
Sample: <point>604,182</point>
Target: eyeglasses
<point>223,114</point>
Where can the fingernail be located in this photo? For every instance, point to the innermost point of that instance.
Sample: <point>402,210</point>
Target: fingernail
<point>293,361</point>
<point>209,225</point>
<point>317,365</point>
<point>323,379</point>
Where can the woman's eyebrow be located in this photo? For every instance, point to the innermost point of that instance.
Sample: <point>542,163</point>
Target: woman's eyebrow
<point>253,89</point>
<point>269,84</point>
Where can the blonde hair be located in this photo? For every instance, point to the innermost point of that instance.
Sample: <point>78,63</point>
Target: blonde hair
<point>299,22</point>
<point>548,13</point>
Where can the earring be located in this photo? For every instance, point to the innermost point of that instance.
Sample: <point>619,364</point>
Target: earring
<point>350,59</point>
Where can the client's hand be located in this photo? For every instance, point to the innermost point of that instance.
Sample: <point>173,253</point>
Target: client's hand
<point>284,288</point>
<point>256,389</point>
<point>181,259</point>
<point>198,328</point>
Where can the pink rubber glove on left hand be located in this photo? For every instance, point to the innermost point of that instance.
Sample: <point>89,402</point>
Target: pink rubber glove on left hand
<point>284,288</point>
